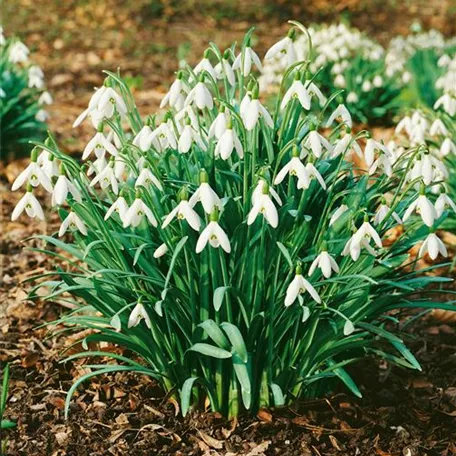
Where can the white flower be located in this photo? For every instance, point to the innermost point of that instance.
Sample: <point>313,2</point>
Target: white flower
<point>316,143</point>
<point>369,152</point>
<point>42,115</point>
<point>201,96</point>
<point>264,205</point>
<point>250,57</point>
<point>205,65</point>
<point>447,147</point>
<point>224,68</point>
<point>443,202</point>
<point>382,212</point>
<point>99,144</point>
<point>137,314</point>
<point>377,81</point>
<point>160,251</point>
<point>312,172</point>
<point>296,90</point>
<point>298,286</point>
<point>361,239</point>
<point>366,86</point>
<point>433,245</point>
<point>62,187</point>
<point>147,178</point>
<point>31,206</point>
<point>382,162</point>
<point>136,213</point>
<point>344,143</point>
<point>448,103</point>
<point>313,89</point>
<point>120,206</point>
<point>106,178</point>
<point>423,207</point>
<point>326,263</point>
<point>163,137</point>
<point>189,136</point>
<point>35,77</point>
<point>207,197</point>
<point>110,101</point>
<point>45,99</point>
<point>34,175</point>
<point>245,104</point>
<point>216,237</point>
<point>294,168</point>
<point>283,47</point>
<point>219,125</point>
<point>228,142</point>
<point>177,94</point>
<point>338,213</point>
<point>184,211</point>
<point>72,222</point>
<point>48,164</point>
<point>254,111</point>
<point>352,97</point>
<point>340,112</point>
<point>93,106</point>
<point>143,140</point>
<point>260,188</point>
<point>438,128</point>
<point>18,53</point>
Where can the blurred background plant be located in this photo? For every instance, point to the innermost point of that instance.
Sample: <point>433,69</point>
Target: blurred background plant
<point>4,423</point>
<point>23,97</point>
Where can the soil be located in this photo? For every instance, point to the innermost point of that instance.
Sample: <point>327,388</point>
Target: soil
<point>402,413</point>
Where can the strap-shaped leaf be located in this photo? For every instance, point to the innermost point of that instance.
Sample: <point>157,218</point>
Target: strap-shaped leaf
<point>215,333</point>
<point>277,394</point>
<point>219,294</point>
<point>236,339</point>
<point>242,374</point>
<point>186,394</point>
<point>210,350</point>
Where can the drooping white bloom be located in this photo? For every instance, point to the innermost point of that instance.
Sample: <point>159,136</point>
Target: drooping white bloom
<point>347,142</point>
<point>283,47</point>
<point>31,206</point>
<point>383,162</point>
<point>250,58</point>
<point>438,128</point>
<point>224,68</point>
<point>42,115</point>
<point>160,251</point>
<point>377,81</point>
<point>163,137</point>
<point>207,197</point>
<point>33,175</point>
<point>72,222</point>
<point>447,147</point>
<point>316,143</point>
<point>429,168</point>
<point>184,211</point>
<point>260,188</point>
<point>255,110</point>
<point>200,96</point>
<point>143,140</point>
<point>340,112</point>
<point>111,101</point>
<point>99,144</point>
<point>146,178</point>
<point>312,172</point>
<point>444,202</point>
<point>298,286</point>
<point>423,207</point>
<point>369,152</point>
<point>352,97</point>
<point>245,104</point>
<point>296,90</point>
<point>93,106</point>
<point>264,205</point>
<point>137,211</point>
<point>219,125</point>
<point>137,314</point>
<point>35,77</point>
<point>205,65</point>
<point>45,98</point>
<point>338,213</point>
<point>189,136</point>
<point>382,211</point>
<point>18,52</point>
<point>361,239</point>
<point>48,164</point>
<point>448,103</point>
<point>294,167</point>
<point>326,263</point>
<point>228,142</point>
<point>120,206</point>
<point>214,234</point>
<point>62,187</point>
<point>433,245</point>
<point>313,89</point>
<point>177,94</point>
<point>106,178</point>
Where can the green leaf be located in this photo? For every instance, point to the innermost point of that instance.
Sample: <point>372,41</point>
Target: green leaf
<point>186,394</point>
<point>379,331</point>
<point>242,374</point>
<point>219,294</point>
<point>346,379</point>
<point>215,333</point>
<point>210,350</point>
<point>115,322</point>
<point>285,253</point>
<point>277,394</point>
<point>6,424</point>
<point>236,339</point>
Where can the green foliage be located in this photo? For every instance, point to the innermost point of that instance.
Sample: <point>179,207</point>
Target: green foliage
<point>5,424</point>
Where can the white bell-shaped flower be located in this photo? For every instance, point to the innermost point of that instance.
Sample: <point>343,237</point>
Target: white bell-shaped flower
<point>264,205</point>
<point>423,207</point>
<point>29,204</point>
<point>361,238</point>
<point>99,144</point>
<point>137,314</point>
<point>72,223</point>
<point>136,213</point>
<point>326,263</point>
<point>433,246</point>
<point>298,91</point>
<point>107,178</point>
<point>369,152</point>
<point>219,125</point>
<point>200,96</point>
<point>184,211</point>
<point>244,61</point>
<point>18,52</point>
<point>33,175</point>
<point>160,251</point>
<point>444,202</point>
<point>283,48</point>
<point>164,137</point>
<point>189,136</point>
<point>205,65</point>
<point>205,195</point>
<point>214,235</point>
<point>312,172</point>
<point>228,142</point>
<point>119,206</point>
<point>340,112</point>
<point>62,188</point>
<point>143,140</point>
<point>316,143</point>
<point>298,286</point>
<point>254,111</point>
<point>338,213</point>
<point>147,178</point>
<point>224,69</point>
<point>382,212</point>
<point>294,167</point>
<point>177,94</point>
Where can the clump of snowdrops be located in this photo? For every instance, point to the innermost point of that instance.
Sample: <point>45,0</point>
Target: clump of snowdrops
<point>344,59</point>
<point>22,98</point>
<point>235,253</point>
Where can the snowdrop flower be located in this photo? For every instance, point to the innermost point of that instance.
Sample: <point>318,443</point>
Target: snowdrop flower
<point>312,172</point>
<point>246,60</point>
<point>254,111</point>
<point>143,140</point>
<point>111,101</point>
<point>120,206</point>
<point>205,195</point>
<point>146,178</point>
<point>62,187</point>
<point>177,94</point>
<point>382,211</point>
<point>326,263</point>
<point>137,314</point>
<point>298,286</point>
<point>137,211</point>
<point>344,143</point>
<point>296,90</point>
<point>160,251</point>
<point>339,81</point>
<point>224,68</point>
<point>258,192</point>
<point>74,223</point>
<point>18,53</point>
<point>404,124</point>
<point>245,102</point>
<point>48,164</point>
<point>338,213</point>
<point>93,106</point>
<point>219,124</point>
<point>189,136</point>
<point>428,168</point>
<point>264,205</point>
<point>184,211</point>
<point>433,245</point>
<point>377,81</point>
<point>423,207</point>
<point>366,86</point>
<point>107,178</point>
<point>361,239</point>
<point>284,47</point>
<point>45,98</point>
<point>33,174</point>
<point>213,234</point>
<point>99,144</point>
<point>35,77</point>
<point>228,142</point>
<point>340,112</point>
<point>294,167</point>
<point>352,97</point>
<point>163,137</point>
<point>447,147</point>
<point>382,162</point>
<point>438,128</point>
<point>315,142</point>
<point>444,202</point>
<point>369,152</point>
<point>448,103</point>
<point>42,115</point>
<point>30,204</point>
<point>200,96</point>
<point>313,89</point>
<point>205,65</point>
